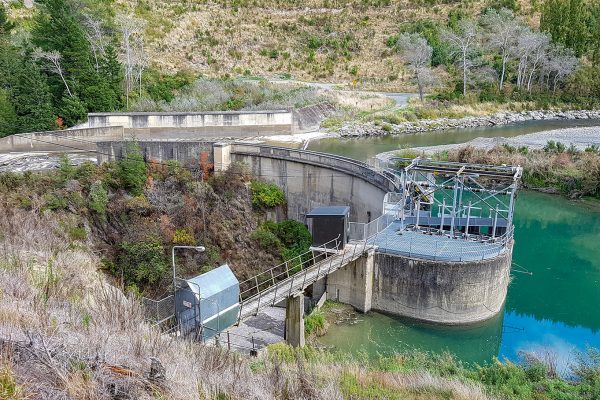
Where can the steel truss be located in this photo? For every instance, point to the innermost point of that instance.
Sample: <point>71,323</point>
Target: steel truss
<point>461,193</point>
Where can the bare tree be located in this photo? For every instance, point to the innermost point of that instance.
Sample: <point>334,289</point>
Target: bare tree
<point>96,36</point>
<point>53,64</point>
<point>560,62</point>
<point>531,51</point>
<point>415,51</point>
<point>132,32</point>
<point>502,30</point>
<point>463,41</point>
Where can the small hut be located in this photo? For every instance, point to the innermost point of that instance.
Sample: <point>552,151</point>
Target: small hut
<point>208,303</point>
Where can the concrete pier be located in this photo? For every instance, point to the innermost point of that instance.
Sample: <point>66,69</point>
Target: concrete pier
<point>294,321</point>
<point>353,284</point>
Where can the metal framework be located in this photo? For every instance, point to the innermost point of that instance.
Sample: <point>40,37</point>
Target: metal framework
<point>461,200</point>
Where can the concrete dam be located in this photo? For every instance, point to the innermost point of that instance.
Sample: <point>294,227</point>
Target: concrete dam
<point>439,234</point>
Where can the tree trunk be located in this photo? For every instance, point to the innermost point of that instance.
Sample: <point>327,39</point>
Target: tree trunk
<point>420,85</point>
<point>464,73</point>
<point>503,71</point>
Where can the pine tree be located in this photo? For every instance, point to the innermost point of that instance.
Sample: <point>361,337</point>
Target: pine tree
<point>31,99</point>
<point>58,28</point>
<point>8,117</point>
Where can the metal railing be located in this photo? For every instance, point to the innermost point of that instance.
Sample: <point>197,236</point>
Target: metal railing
<point>274,290</point>
<point>159,311</point>
<point>264,280</point>
<point>472,248</point>
<point>225,339</point>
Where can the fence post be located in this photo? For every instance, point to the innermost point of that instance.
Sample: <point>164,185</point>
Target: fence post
<point>275,293</point>
<point>272,277</point>
<point>228,342</point>
<point>291,286</point>
<point>256,280</point>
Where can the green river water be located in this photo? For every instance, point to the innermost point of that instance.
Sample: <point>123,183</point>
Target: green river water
<point>556,308</point>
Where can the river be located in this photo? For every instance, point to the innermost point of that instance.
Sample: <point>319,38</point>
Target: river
<point>364,148</point>
<point>553,308</point>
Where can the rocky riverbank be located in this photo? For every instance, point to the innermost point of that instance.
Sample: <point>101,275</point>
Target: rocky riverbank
<point>427,125</point>
<point>580,138</point>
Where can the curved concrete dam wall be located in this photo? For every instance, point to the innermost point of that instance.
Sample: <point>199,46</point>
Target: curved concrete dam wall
<point>311,179</point>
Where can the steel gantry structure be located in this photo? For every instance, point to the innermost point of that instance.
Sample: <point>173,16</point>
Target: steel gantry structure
<point>461,200</point>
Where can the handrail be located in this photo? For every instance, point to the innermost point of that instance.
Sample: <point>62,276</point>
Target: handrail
<point>283,271</point>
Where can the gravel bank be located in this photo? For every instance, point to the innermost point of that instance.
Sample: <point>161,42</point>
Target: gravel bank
<point>427,125</point>
<point>580,137</point>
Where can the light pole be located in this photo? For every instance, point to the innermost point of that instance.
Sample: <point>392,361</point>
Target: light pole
<point>199,249</point>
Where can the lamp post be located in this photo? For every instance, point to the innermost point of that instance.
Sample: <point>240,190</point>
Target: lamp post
<point>199,249</point>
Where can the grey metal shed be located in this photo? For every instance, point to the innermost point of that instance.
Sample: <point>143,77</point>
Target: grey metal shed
<point>328,223</point>
<point>209,301</point>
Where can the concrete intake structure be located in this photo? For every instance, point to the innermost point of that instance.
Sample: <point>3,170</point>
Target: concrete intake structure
<point>206,124</point>
<point>443,292</point>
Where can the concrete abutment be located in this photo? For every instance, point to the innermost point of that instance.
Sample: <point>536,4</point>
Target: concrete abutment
<point>294,321</point>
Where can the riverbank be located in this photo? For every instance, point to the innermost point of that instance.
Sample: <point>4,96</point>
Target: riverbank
<point>580,138</point>
<point>377,128</point>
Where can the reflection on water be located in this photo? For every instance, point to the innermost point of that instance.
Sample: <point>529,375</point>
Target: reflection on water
<point>553,310</point>
<point>364,148</point>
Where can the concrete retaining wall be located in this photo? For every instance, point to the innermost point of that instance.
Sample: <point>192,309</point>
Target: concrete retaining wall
<point>208,124</point>
<point>442,292</point>
<point>184,152</point>
<point>67,140</point>
<point>310,179</point>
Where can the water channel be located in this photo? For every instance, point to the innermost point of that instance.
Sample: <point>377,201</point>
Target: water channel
<point>556,308</point>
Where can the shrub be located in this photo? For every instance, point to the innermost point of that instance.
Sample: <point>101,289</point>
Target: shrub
<point>77,233</point>
<point>66,171</point>
<point>98,198</point>
<point>52,201</point>
<point>266,195</point>
<point>142,262</point>
<point>184,237</point>
<point>266,238</point>
<point>315,323</point>
<point>132,169</point>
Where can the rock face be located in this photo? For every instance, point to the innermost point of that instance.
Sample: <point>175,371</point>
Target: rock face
<point>426,125</point>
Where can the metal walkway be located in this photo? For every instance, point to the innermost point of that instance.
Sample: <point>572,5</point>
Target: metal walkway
<point>277,284</point>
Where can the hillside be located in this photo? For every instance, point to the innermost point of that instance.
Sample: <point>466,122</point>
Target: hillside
<point>338,41</point>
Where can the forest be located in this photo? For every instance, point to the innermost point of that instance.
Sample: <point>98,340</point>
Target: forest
<point>66,58</point>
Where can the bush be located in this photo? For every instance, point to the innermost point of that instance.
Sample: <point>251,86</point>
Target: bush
<point>141,262</point>
<point>65,170</point>
<point>266,195</point>
<point>184,237</point>
<point>315,323</point>
<point>132,169</point>
<point>52,201</point>
<point>98,198</point>
<point>266,238</point>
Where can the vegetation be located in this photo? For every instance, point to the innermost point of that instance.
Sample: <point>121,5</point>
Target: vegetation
<point>314,323</point>
<point>62,59</point>
<point>290,239</point>
<point>557,167</point>
<point>133,212</point>
<point>266,195</point>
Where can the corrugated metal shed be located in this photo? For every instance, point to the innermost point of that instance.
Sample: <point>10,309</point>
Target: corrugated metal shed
<point>210,301</point>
